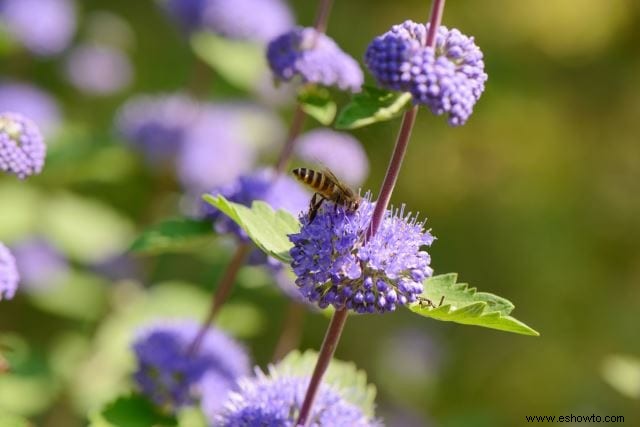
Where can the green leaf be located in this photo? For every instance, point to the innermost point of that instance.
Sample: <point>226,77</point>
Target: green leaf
<point>191,417</point>
<point>28,394</point>
<point>622,372</point>
<point>132,411</point>
<point>24,217</point>
<point>345,377</point>
<point>317,102</point>
<point>370,106</point>
<point>465,305</point>
<point>79,295</point>
<point>86,230</point>
<point>267,228</point>
<point>240,63</point>
<point>173,235</point>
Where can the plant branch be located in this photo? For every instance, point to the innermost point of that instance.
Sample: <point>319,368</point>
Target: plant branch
<point>340,316</point>
<point>222,293</point>
<point>290,335</point>
<point>327,350</point>
<point>297,123</point>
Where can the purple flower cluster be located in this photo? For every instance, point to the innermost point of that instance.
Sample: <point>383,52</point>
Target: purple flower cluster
<point>334,266</point>
<point>41,266</point>
<point>22,148</point>
<point>275,400</point>
<point>171,377</point>
<point>251,20</point>
<point>31,102</point>
<point>339,151</point>
<point>98,69</point>
<point>280,192</point>
<point>185,13</point>
<point>315,58</point>
<point>9,276</point>
<point>158,125</point>
<point>45,27</point>
<point>225,143</point>
<point>448,79</point>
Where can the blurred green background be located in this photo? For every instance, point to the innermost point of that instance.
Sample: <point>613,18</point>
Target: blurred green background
<point>536,199</point>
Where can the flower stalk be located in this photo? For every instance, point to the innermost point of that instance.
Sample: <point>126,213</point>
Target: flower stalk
<point>221,294</point>
<point>340,316</point>
<point>322,15</point>
<point>327,350</point>
<point>297,124</point>
<point>291,331</point>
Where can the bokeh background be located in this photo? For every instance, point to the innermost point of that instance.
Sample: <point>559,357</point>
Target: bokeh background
<point>536,199</point>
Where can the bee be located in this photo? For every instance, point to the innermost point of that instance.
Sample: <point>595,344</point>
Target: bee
<point>327,187</point>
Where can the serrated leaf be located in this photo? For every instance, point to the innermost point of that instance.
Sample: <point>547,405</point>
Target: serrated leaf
<point>267,228</point>
<point>132,411</point>
<point>173,235</point>
<point>317,102</point>
<point>465,305</point>
<point>240,63</point>
<point>345,377</point>
<point>370,106</point>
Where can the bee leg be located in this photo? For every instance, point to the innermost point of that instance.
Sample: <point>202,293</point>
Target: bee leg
<point>315,206</point>
<point>313,201</point>
<point>337,202</point>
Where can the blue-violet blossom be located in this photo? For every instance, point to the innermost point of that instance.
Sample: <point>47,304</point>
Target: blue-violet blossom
<point>40,264</point>
<point>171,377</point>
<point>335,267</point>
<point>22,148</point>
<point>98,69</point>
<point>448,79</point>
<point>275,400</point>
<point>225,143</point>
<point>158,124</point>
<point>250,20</point>
<point>315,58</point>
<point>9,276</point>
<point>44,27</point>
<point>339,151</point>
<point>31,102</point>
<point>281,192</point>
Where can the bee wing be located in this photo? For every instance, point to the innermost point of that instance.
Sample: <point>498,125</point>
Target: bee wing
<point>343,187</point>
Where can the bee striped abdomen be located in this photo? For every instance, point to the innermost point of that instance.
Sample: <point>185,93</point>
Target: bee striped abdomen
<point>316,180</point>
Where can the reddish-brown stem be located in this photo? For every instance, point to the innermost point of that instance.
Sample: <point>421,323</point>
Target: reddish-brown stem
<point>292,329</point>
<point>200,80</point>
<point>404,135</point>
<point>322,15</point>
<point>222,293</point>
<point>297,123</point>
<point>437,9</point>
<point>327,350</point>
<point>340,316</point>
<point>299,116</point>
<point>393,170</point>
